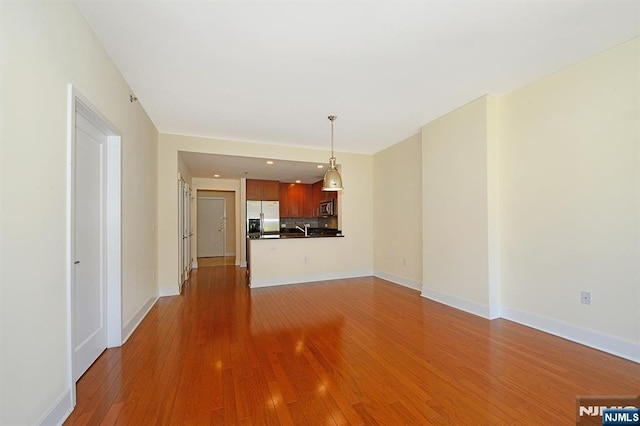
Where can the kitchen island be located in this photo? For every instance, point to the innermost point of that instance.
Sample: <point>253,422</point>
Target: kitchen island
<point>293,258</point>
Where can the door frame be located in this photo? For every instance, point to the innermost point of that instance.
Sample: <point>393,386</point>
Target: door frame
<point>185,230</point>
<point>112,243</point>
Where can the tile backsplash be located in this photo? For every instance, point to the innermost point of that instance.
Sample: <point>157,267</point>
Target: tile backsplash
<point>314,222</point>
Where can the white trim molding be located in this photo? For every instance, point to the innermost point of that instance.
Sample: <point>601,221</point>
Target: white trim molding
<point>484,311</point>
<point>397,279</point>
<point>594,339</point>
<point>170,290</point>
<point>136,319</point>
<point>59,411</point>
<point>78,105</point>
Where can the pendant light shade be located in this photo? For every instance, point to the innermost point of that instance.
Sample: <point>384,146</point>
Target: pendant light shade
<point>332,179</point>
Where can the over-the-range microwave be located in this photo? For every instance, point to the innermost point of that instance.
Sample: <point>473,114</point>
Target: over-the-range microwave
<point>326,208</point>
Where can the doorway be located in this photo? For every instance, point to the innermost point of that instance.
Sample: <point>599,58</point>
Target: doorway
<point>89,278</point>
<point>211,227</point>
<point>185,231</point>
<point>93,237</point>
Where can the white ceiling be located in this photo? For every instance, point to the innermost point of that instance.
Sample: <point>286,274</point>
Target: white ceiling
<point>272,71</point>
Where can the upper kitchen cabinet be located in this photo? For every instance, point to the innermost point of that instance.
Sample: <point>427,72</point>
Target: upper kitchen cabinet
<point>262,190</point>
<point>296,200</point>
<point>320,195</point>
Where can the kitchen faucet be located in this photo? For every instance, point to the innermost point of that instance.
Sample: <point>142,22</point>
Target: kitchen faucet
<point>305,230</point>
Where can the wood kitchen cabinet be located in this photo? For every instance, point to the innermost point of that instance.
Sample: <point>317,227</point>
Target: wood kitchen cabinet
<point>296,200</point>
<point>263,190</point>
<point>307,201</point>
<point>319,196</point>
<point>316,196</point>
<point>284,199</point>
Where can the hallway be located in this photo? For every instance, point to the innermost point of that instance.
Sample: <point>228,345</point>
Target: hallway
<point>354,351</point>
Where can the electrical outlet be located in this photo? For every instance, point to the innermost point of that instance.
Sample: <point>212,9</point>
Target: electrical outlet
<point>404,262</point>
<point>585,297</point>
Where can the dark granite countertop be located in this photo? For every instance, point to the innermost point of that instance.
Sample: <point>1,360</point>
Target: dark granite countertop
<point>324,233</point>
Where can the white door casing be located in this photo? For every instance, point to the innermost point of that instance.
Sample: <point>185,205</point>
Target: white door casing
<point>211,227</point>
<point>185,231</point>
<point>94,198</point>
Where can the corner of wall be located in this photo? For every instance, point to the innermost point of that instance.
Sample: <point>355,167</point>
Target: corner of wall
<point>135,321</point>
<point>460,303</point>
<point>59,411</point>
<point>170,290</point>
<point>396,279</point>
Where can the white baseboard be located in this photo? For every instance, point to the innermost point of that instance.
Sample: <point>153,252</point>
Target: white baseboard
<point>604,342</point>
<point>594,339</point>
<point>135,321</point>
<point>396,279</point>
<point>59,411</point>
<point>243,264</point>
<point>466,305</point>
<point>230,254</point>
<point>170,290</point>
<point>301,279</point>
<point>194,264</point>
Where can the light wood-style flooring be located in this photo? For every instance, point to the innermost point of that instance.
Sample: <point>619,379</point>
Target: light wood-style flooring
<point>353,351</point>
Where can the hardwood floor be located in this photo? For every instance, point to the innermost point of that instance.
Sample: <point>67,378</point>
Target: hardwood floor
<point>356,351</point>
<point>216,261</point>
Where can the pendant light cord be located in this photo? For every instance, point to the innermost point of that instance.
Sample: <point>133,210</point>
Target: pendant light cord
<point>332,118</point>
<point>331,138</point>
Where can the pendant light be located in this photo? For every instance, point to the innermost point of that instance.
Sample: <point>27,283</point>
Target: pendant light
<point>332,179</point>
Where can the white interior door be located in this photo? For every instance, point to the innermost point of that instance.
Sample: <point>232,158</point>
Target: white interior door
<point>89,325</point>
<point>184,233</point>
<point>186,241</point>
<point>211,227</point>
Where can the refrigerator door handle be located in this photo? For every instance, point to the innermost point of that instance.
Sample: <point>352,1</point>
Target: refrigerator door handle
<point>261,223</point>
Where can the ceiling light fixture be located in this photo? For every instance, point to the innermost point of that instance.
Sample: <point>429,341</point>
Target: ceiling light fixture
<point>269,162</point>
<point>320,166</point>
<point>216,175</point>
<point>332,179</point>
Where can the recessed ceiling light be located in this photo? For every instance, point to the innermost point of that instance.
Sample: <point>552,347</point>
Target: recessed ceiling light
<point>298,181</point>
<point>216,175</point>
<point>320,166</point>
<point>269,162</point>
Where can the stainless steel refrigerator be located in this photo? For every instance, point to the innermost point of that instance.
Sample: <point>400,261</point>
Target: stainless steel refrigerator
<point>263,217</point>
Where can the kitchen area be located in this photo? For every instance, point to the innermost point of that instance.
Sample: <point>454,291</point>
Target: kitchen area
<point>290,228</point>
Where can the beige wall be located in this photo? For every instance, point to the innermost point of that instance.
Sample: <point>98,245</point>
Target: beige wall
<point>230,213</point>
<point>397,212</point>
<point>570,195</point>
<point>531,198</point>
<point>45,46</point>
<point>184,171</point>
<point>458,191</point>
<point>356,200</point>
